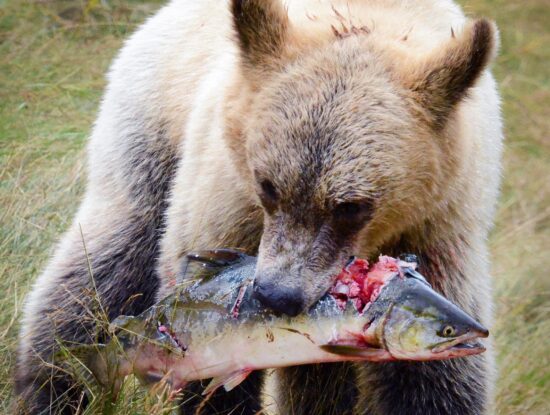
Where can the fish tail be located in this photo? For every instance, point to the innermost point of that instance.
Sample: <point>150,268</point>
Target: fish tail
<point>87,362</point>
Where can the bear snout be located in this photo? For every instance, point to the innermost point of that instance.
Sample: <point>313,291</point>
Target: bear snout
<point>281,299</point>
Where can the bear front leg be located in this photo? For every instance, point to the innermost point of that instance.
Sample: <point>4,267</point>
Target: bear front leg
<point>425,388</point>
<point>323,389</point>
<point>70,306</point>
<point>245,399</point>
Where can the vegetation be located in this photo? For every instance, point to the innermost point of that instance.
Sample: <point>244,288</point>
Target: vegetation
<point>53,56</point>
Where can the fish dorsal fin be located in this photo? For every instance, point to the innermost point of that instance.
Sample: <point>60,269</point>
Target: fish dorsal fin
<point>229,382</point>
<point>204,264</point>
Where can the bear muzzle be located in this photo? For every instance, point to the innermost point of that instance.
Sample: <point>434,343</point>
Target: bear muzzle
<point>281,299</point>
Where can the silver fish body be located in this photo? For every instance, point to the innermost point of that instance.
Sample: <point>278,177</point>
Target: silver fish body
<point>213,327</point>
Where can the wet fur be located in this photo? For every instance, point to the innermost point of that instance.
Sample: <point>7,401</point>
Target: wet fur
<point>192,115</point>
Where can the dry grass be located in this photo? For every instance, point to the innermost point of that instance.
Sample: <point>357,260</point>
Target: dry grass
<point>51,77</point>
<point>53,57</point>
<point>520,242</point>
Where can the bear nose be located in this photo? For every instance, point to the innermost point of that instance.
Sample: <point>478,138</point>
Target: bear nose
<point>283,300</point>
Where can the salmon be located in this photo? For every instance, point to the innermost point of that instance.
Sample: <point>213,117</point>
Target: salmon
<point>212,327</point>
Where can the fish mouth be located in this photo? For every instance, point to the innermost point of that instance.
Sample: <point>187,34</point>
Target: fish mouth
<point>464,345</point>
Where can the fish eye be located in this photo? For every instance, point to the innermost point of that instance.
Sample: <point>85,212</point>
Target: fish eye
<point>448,331</point>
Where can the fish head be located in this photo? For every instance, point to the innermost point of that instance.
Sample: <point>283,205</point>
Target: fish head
<point>420,324</point>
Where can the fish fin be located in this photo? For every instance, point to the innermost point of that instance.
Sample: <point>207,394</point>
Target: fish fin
<point>84,353</point>
<point>87,362</point>
<point>363,353</point>
<point>236,380</point>
<point>202,265</point>
<point>229,382</point>
<point>98,360</point>
<point>216,257</point>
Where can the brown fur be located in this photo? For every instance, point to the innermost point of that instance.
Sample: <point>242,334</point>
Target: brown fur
<point>442,80</point>
<point>351,101</point>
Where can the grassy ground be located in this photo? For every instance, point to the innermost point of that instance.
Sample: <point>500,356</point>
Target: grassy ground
<point>53,55</point>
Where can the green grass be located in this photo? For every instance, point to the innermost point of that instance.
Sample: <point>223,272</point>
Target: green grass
<point>53,55</point>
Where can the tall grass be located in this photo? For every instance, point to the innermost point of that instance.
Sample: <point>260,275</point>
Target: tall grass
<point>52,63</point>
<point>53,55</point>
<point>520,242</point>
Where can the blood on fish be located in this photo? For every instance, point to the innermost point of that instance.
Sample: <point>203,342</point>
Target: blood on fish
<point>166,331</point>
<point>362,283</point>
<point>238,301</point>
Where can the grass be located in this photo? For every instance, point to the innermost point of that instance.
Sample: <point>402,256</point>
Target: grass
<point>53,55</point>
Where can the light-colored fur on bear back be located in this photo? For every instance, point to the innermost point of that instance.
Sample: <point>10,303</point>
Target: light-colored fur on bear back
<point>167,165</point>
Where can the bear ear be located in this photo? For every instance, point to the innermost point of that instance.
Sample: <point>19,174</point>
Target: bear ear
<point>443,79</point>
<point>261,27</point>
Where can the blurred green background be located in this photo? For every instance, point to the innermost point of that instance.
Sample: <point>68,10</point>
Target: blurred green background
<point>53,56</point>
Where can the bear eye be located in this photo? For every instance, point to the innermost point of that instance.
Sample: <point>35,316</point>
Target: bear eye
<point>353,211</point>
<point>268,194</point>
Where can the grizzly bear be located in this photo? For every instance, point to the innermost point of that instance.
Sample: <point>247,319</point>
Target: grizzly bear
<point>303,132</point>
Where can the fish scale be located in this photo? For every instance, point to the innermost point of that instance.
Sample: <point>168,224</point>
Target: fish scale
<point>212,326</point>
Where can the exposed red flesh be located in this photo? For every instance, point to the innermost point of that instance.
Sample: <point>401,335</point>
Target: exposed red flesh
<point>362,283</point>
